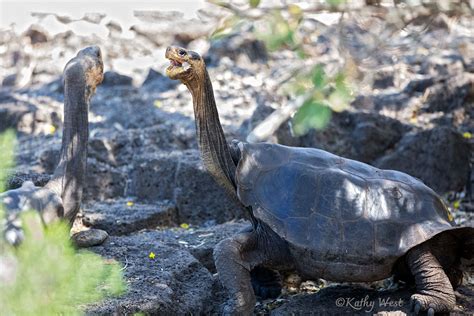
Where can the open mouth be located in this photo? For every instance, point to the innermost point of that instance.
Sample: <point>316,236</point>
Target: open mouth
<point>177,68</point>
<point>175,63</point>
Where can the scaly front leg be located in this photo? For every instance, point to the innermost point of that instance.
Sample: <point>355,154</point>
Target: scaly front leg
<point>434,290</point>
<point>234,258</point>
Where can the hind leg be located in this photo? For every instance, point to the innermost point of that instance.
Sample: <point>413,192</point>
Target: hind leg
<point>434,290</point>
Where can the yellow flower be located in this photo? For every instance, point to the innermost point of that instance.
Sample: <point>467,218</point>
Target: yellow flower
<point>52,129</point>
<point>456,204</point>
<point>130,203</point>
<point>467,135</point>
<point>184,225</point>
<point>151,255</point>
<point>157,103</point>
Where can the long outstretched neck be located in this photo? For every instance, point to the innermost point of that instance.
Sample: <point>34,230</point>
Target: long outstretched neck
<point>69,176</point>
<point>215,151</point>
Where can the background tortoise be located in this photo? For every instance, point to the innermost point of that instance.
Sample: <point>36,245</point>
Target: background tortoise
<point>326,216</point>
<point>61,197</point>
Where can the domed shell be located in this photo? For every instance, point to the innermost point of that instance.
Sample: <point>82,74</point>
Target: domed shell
<point>331,206</point>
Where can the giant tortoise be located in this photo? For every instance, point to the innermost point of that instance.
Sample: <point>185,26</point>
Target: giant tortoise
<point>61,197</point>
<point>323,215</point>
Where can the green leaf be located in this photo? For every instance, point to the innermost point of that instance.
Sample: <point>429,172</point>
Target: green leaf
<point>311,115</point>
<point>340,98</point>
<point>340,81</point>
<point>7,150</point>
<point>335,2</point>
<point>280,33</point>
<point>318,77</point>
<point>298,85</point>
<point>254,3</point>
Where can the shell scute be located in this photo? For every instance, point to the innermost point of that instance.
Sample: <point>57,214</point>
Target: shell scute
<point>355,232</point>
<point>287,191</point>
<point>340,195</point>
<point>324,235</point>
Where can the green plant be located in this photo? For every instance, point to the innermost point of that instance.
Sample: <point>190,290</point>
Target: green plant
<point>46,274</point>
<point>7,146</point>
<point>322,95</point>
<point>279,29</point>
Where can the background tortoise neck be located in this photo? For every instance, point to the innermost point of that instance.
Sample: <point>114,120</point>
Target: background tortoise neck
<point>69,175</point>
<point>215,151</point>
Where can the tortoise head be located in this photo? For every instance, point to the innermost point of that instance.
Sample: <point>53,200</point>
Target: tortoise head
<point>86,69</point>
<point>185,65</point>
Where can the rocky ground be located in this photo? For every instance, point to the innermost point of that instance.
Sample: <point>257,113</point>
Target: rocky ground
<point>146,185</point>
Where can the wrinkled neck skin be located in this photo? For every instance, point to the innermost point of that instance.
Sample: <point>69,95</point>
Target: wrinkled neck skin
<point>215,151</point>
<point>69,176</point>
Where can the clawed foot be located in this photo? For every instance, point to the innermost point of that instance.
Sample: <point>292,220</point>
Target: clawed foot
<point>430,304</point>
<point>242,304</point>
<point>231,308</point>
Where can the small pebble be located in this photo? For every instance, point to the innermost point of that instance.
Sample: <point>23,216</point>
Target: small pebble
<point>89,238</point>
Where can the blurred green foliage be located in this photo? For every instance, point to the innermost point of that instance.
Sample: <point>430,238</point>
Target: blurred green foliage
<point>46,275</point>
<point>280,32</point>
<point>322,93</point>
<point>279,29</point>
<point>312,114</point>
<point>254,3</point>
<point>335,2</point>
<point>52,278</point>
<point>226,27</point>
<point>7,149</point>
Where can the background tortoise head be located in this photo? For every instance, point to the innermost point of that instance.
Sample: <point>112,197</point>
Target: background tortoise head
<point>86,69</point>
<point>186,65</point>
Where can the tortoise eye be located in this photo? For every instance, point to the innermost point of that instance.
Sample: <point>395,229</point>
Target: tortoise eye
<point>182,52</point>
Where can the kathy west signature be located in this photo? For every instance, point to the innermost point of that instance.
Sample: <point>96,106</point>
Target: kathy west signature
<point>366,304</point>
